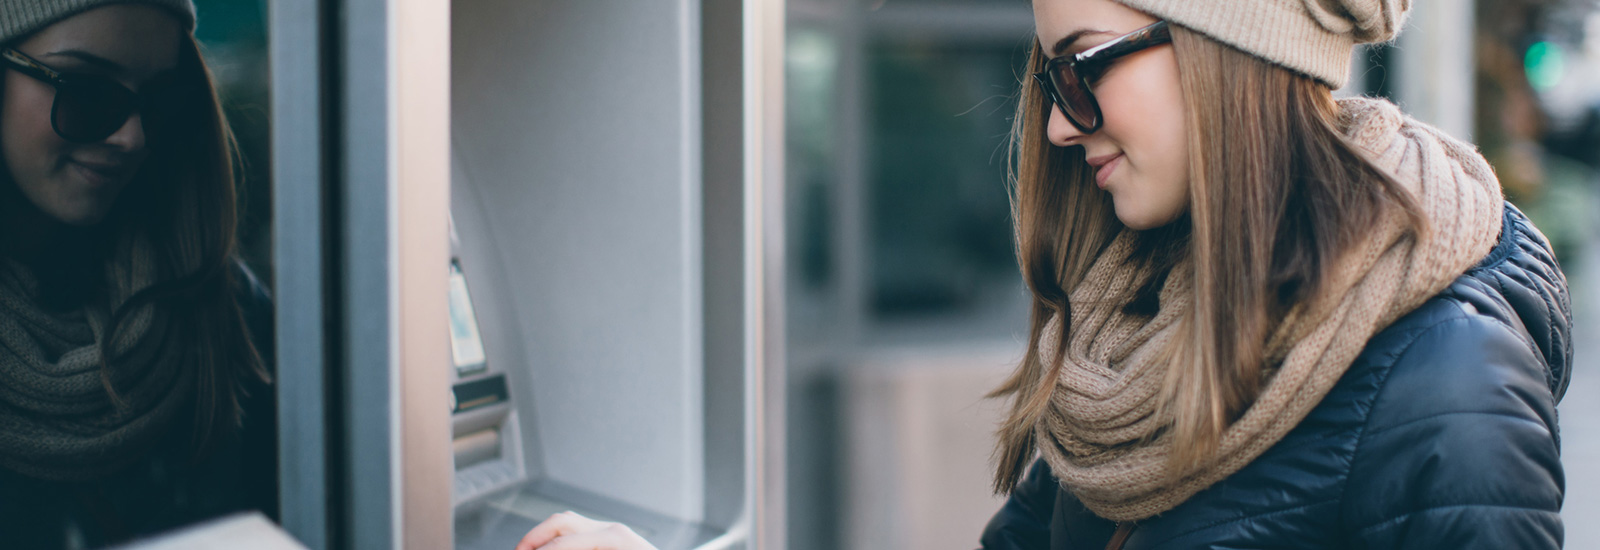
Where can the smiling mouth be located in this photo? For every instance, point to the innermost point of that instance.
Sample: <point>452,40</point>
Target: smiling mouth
<point>101,174</point>
<point>1103,167</point>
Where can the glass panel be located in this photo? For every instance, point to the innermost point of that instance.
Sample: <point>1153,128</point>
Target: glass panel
<point>899,248</point>
<point>938,208</point>
<point>812,65</point>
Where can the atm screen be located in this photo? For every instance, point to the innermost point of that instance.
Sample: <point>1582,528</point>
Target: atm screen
<point>465,343</point>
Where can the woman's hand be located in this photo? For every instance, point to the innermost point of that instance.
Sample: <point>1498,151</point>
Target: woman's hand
<point>570,531</point>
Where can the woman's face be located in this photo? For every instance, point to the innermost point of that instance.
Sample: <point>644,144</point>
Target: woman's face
<point>1141,153</point>
<point>77,183</point>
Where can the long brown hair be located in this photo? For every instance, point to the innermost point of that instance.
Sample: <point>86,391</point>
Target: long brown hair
<point>1277,194</point>
<point>186,206</point>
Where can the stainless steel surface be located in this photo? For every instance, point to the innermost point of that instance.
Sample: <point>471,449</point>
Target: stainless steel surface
<point>764,284</point>
<point>349,131</point>
<point>298,55</point>
<point>341,250</point>
<point>584,192</point>
<point>367,279</point>
<point>621,248</point>
<point>727,371</point>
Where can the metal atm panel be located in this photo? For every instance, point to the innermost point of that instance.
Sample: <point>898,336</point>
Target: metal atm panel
<point>610,244</point>
<point>583,238</point>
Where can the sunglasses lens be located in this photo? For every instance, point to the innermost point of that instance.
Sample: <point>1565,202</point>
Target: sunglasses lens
<point>1074,98</point>
<point>91,110</point>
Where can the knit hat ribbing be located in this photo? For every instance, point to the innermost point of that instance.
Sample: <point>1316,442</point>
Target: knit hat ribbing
<point>20,18</point>
<point>1312,37</point>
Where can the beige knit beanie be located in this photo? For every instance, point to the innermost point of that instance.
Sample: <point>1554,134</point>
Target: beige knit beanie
<point>1312,37</point>
<point>20,18</point>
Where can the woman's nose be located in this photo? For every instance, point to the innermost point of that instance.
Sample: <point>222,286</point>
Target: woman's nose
<point>1061,132</point>
<point>130,137</point>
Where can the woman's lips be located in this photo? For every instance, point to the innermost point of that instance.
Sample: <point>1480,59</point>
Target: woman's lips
<point>100,175</point>
<point>1104,168</point>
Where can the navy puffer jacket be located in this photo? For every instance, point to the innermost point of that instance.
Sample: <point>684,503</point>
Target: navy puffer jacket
<point>1441,435</point>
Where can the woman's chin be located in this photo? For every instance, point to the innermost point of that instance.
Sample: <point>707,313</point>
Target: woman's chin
<point>1143,219</point>
<point>79,215</point>
<point>1135,218</point>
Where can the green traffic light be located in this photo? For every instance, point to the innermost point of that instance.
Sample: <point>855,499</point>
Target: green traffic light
<point>1546,65</point>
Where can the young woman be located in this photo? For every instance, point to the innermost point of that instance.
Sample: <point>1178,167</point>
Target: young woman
<point>1263,317</point>
<point>133,398</point>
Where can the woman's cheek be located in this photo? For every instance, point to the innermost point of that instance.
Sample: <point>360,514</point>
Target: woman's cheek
<point>29,143</point>
<point>1164,172</point>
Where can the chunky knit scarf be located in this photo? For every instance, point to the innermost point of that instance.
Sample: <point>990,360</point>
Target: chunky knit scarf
<point>1101,433</point>
<point>57,418</point>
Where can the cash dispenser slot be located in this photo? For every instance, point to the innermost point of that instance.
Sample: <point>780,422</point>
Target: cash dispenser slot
<point>487,448</point>
<point>480,393</point>
<point>481,407</point>
<point>477,448</point>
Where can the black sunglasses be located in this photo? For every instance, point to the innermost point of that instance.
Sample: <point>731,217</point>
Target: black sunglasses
<point>89,108</point>
<point>1067,79</point>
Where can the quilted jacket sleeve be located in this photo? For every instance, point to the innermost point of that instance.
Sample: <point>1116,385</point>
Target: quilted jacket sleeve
<point>1024,521</point>
<point>1459,451</point>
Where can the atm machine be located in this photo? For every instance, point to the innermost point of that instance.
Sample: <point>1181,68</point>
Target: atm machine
<point>606,344</point>
<point>609,289</point>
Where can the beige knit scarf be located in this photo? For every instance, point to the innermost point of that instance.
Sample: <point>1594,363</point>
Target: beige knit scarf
<point>57,419</point>
<point>1101,433</point>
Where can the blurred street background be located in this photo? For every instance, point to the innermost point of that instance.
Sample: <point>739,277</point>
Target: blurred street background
<point>905,304</point>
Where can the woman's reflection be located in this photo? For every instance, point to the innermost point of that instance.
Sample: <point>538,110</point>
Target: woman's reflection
<point>133,394</point>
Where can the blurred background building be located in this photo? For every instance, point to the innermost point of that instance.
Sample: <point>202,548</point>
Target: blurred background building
<point>905,304</point>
